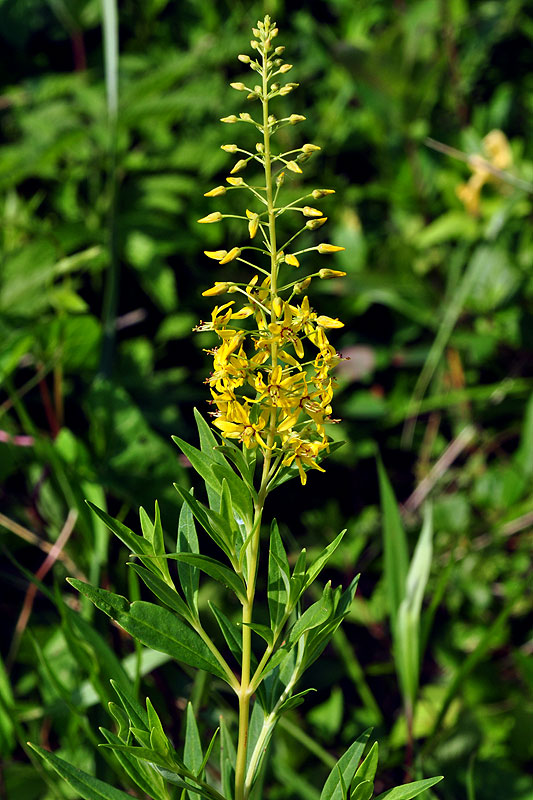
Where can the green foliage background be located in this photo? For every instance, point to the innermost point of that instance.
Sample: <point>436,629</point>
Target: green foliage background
<point>100,280</point>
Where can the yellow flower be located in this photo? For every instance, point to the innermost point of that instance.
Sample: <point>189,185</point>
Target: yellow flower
<point>303,453</point>
<point>291,260</point>
<point>329,248</point>
<point>241,427</point>
<point>219,288</point>
<point>216,216</point>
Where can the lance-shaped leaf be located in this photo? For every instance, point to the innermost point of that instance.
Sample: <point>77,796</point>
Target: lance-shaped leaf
<point>136,713</point>
<point>318,565</point>
<point>278,578</point>
<point>153,533</point>
<point>409,790</point>
<point>395,545</point>
<point>187,542</point>
<point>313,617</point>
<point>85,785</point>
<point>215,569</point>
<point>344,770</point>
<point>135,543</point>
<point>144,776</point>
<point>212,523</point>
<point>192,751</point>
<point>154,626</point>
<point>162,591</point>
<point>367,769</point>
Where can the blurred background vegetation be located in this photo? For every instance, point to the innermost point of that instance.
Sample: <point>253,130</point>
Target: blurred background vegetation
<point>101,272</point>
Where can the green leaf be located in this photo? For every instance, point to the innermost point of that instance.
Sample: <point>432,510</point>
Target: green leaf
<point>294,701</point>
<point>84,784</point>
<point>188,543</point>
<point>162,591</point>
<point>228,758</point>
<point>134,710</point>
<point>154,626</point>
<point>406,631</point>
<point>363,791</point>
<point>297,580</point>
<point>367,769</point>
<point>145,777</point>
<point>395,545</point>
<point>135,543</point>
<point>215,569</point>
<point>409,790</point>
<point>318,565</point>
<point>263,631</point>
<point>213,524</point>
<point>344,769</point>
<point>315,615</point>
<point>192,752</point>
<point>278,578</point>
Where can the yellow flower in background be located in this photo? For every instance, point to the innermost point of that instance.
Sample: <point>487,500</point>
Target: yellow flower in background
<point>498,155</point>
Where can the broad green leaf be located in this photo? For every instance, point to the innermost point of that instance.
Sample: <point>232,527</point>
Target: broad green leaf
<point>192,751</point>
<point>88,788</point>
<point>188,543</point>
<point>345,768</point>
<point>145,777</point>
<point>162,591</point>
<point>395,545</point>
<point>154,626</point>
<point>215,569</point>
<point>409,790</point>
<point>318,565</point>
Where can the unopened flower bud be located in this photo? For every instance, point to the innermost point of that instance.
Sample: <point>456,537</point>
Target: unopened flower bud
<point>231,255</point>
<point>310,148</point>
<point>219,288</point>
<point>277,305</point>
<point>274,87</point>
<point>216,216</point>
<point>244,58</point>
<point>256,32</point>
<point>216,255</point>
<point>216,191</point>
<point>253,223</point>
<point>285,68</point>
<point>258,89</point>
<point>235,181</point>
<point>285,90</point>
<point>231,118</point>
<point>321,193</point>
<point>252,96</point>
<point>229,148</point>
<point>307,211</point>
<point>302,286</point>
<point>291,260</point>
<point>241,163</point>
<point>330,273</point>
<point>293,166</point>
<point>260,147</point>
<point>240,87</point>
<point>294,118</point>
<point>279,50</point>
<point>271,119</point>
<point>245,116</point>
<point>254,44</point>
<point>329,248</point>
<point>280,179</point>
<point>274,32</point>
<point>329,322</point>
<point>313,224</point>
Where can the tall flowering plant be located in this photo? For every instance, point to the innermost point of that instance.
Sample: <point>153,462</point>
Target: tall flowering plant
<point>271,390</point>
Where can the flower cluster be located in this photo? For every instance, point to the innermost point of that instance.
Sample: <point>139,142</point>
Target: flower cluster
<point>271,382</point>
